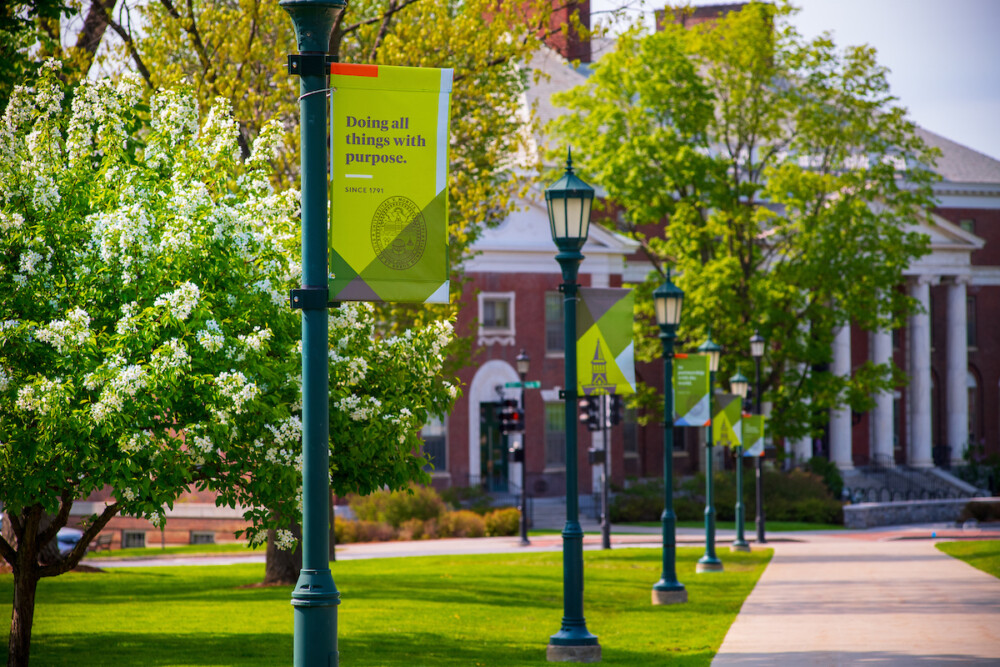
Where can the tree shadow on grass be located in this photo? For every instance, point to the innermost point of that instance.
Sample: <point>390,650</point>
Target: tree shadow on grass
<point>405,650</point>
<point>159,649</point>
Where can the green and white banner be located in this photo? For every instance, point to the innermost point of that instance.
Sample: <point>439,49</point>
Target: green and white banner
<point>727,420</point>
<point>388,183</point>
<point>691,390</point>
<point>605,363</point>
<point>753,435</point>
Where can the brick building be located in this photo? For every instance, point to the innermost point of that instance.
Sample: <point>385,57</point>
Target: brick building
<point>950,352</point>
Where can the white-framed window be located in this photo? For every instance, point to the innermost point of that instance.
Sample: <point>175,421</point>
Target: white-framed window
<point>133,539</point>
<point>555,345</point>
<point>555,435</point>
<point>496,318</point>
<point>435,437</point>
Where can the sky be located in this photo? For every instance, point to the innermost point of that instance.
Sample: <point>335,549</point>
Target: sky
<point>943,55</point>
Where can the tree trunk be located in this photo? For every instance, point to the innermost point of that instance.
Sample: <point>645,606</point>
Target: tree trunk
<point>26,575</point>
<point>25,585</point>
<point>282,567</point>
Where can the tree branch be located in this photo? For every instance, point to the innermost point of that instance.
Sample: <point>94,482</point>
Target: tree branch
<point>73,558</point>
<point>16,525</point>
<point>191,28</point>
<point>7,551</point>
<point>94,27</point>
<point>389,12</point>
<point>126,37</point>
<point>59,520</point>
<point>382,30</point>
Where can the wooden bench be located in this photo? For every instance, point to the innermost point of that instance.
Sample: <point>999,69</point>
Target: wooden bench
<point>103,541</point>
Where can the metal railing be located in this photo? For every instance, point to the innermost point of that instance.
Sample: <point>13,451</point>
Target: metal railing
<point>887,482</point>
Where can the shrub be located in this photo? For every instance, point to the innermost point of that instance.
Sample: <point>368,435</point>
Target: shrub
<point>396,507</point>
<point>462,523</point>
<point>795,496</point>
<point>502,522</point>
<point>641,501</point>
<point>829,472</point>
<point>412,529</point>
<point>981,510</point>
<point>348,532</point>
<point>474,498</point>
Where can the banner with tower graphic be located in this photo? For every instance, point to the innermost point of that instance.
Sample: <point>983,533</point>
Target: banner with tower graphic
<point>605,363</point>
<point>727,421</point>
<point>389,183</point>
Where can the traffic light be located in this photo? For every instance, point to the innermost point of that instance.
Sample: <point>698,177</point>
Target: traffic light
<point>590,412</point>
<point>511,417</point>
<point>617,406</point>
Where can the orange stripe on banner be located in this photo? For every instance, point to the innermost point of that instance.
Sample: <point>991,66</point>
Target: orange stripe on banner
<point>347,69</point>
<point>680,355</point>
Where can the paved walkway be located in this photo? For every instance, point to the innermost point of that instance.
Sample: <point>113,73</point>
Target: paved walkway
<point>867,597</point>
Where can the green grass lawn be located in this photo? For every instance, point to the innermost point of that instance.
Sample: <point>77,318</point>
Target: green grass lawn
<point>184,550</point>
<point>981,554</point>
<point>748,527</point>
<point>490,610</point>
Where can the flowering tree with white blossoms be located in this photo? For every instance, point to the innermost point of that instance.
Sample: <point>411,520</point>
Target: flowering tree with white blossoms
<point>146,342</point>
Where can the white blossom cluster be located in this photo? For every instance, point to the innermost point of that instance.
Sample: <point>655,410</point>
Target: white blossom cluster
<point>354,369</point>
<point>211,337</point>
<point>234,386</point>
<point>288,431</point>
<point>5,379</point>
<point>72,331</point>
<point>256,339</point>
<point>174,116</point>
<point>128,320</point>
<point>136,442</point>
<point>126,382</point>
<point>10,221</point>
<point>284,540</point>
<point>43,398</point>
<point>171,354</point>
<point>181,301</point>
<point>122,236</point>
<point>220,132</point>
<point>359,408</point>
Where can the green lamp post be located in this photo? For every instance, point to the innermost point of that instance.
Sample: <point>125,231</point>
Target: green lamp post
<point>523,361</point>
<point>315,597</point>
<point>668,299</point>
<point>709,562</point>
<point>568,201</point>
<point>739,385</point>
<point>757,345</point>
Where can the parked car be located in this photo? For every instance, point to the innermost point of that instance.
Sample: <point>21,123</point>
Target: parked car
<point>67,539</point>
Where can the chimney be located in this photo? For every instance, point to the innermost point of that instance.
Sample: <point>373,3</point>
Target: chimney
<point>571,46</point>
<point>688,17</point>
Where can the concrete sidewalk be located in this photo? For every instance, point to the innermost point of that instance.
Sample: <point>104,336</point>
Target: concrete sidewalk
<point>868,597</point>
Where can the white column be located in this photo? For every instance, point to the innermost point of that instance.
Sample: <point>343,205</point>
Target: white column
<point>957,403</point>
<point>920,376</point>
<point>882,414</point>
<point>840,417</point>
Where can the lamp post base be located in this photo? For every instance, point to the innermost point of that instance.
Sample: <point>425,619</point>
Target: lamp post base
<point>560,653</point>
<point>677,595</point>
<point>739,546</point>
<point>705,565</point>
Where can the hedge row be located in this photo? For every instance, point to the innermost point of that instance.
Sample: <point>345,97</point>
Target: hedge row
<point>793,496</point>
<point>419,513</point>
<point>462,523</point>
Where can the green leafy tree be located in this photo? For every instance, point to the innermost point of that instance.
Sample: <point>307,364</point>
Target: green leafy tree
<point>146,342</point>
<point>780,180</point>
